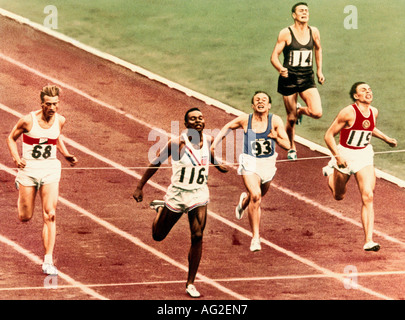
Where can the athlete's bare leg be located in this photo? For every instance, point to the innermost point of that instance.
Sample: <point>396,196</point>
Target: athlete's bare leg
<point>312,109</point>
<point>366,181</point>
<point>49,195</point>
<point>337,183</point>
<point>26,202</point>
<point>164,222</point>
<point>256,191</point>
<point>290,103</point>
<point>197,219</point>
<point>313,103</point>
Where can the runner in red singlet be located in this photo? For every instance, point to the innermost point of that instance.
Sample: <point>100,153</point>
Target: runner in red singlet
<point>356,124</point>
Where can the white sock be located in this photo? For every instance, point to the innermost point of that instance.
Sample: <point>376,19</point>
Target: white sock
<point>48,259</point>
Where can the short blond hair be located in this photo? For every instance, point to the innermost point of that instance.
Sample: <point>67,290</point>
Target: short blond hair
<point>50,91</point>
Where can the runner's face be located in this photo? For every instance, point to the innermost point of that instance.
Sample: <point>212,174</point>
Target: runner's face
<point>50,106</point>
<point>364,93</point>
<point>301,14</point>
<point>261,103</point>
<point>195,120</point>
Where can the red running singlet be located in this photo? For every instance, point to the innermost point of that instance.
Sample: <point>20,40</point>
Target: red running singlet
<point>358,136</point>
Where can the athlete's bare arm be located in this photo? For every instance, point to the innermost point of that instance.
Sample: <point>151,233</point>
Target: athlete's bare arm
<point>22,126</point>
<point>318,54</point>
<point>283,38</point>
<point>278,133</point>
<point>161,157</point>
<point>345,118</point>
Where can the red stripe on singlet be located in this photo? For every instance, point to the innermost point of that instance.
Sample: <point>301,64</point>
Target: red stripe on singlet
<point>32,141</point>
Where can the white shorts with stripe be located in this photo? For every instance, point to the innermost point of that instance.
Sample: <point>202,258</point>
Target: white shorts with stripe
<point>182,201</point>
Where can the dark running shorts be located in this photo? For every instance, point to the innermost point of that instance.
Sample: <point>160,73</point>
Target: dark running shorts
<point>295,83</point>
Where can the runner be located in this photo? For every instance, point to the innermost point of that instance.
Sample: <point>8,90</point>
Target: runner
<point>258,160</point>
<point>39,170</point>
<point>297,43</point>
<point>354,155</point>
<point>188,191</point>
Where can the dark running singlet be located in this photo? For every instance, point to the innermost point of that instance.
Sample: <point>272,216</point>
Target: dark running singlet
<point>258,145</point>
<point>358,136</point>
<point>298,57</point>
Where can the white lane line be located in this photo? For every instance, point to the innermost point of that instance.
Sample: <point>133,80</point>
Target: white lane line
<point>35,259</point>
<point>220,218</point>
<point>136,241</point>
<point>239,279</point>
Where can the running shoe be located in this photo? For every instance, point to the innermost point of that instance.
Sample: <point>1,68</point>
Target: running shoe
<point>299,118</point>
<point>156,204</point>
<point>49,269</point>
<point>255,245</point>
<point>239,212</point>
<point>371,246</point>
<point>192,291</point>
<point>292,155</point>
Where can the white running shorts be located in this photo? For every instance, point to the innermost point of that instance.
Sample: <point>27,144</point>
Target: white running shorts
<point>356,159</point>
<point>265,168</point>
<point>182,201</point>
<point>38,173</point>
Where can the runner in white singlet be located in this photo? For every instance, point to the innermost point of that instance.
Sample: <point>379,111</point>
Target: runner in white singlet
<point>38,168</point>
<point>188,191</point>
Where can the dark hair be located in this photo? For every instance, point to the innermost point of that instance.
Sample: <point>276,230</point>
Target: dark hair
<point>188,111</point>
<point>353,89</point>
<point>298,4</point>
<point>259,91</point>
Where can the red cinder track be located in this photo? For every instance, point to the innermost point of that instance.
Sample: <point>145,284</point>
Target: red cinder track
<point>104,245</point>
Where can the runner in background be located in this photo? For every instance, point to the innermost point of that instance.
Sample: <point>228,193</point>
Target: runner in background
<point>297,43</point>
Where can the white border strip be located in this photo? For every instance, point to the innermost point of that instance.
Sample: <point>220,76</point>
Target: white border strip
<point>209,101</point>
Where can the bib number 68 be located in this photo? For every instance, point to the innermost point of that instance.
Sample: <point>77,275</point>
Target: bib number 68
<point>37,151</point>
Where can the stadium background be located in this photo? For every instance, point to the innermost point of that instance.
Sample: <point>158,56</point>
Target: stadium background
<point>222,49</point>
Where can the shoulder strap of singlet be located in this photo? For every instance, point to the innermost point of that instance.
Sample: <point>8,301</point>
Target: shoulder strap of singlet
<point>249,127</point>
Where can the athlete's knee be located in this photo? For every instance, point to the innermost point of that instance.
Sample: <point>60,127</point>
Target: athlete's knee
<point>315,113</point>
<point>367,196</point>
<point>24,217</point>
<point>291,118</point>
<point>24,213</point>
<point>158,235</point>
<point>196,237</point>
<point>255,197</point>
<point>49,215</point>
<point>338,196</point>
